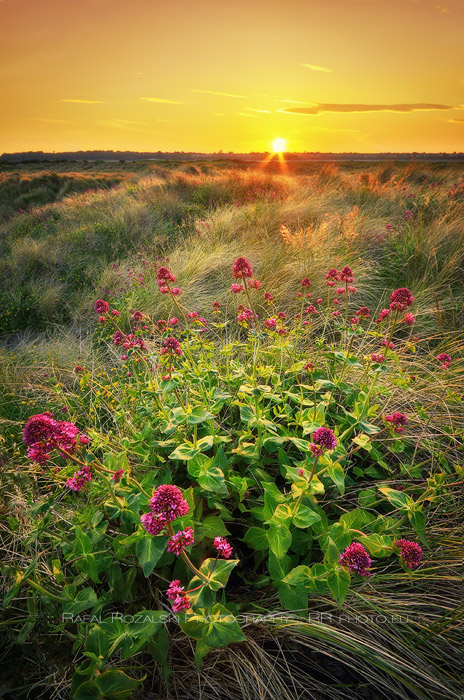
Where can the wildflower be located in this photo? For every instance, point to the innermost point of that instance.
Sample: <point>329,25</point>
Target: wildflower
<point>363,312</point>
<point>401,299</point>
<point>175,291</point>
<point>390,344</point>
<point>101,319</point>
<point>268,297</point>
<point>154,523</point>
<point>377,357</point>
<point>254,284</point>
<point>336,313</point>
<point>319,301</point>
<point>171,346</point>
<point>83,439</point>
<point>282,315</point>
<point>180,540</point>
<point>410,552</point>
<point>237,288</point>
<point>167,500</point>
<point>322,439</point>
<point>354,320</point>
<point>352,290</point>
<point>444,359</point>
<point>300,472</point>
<point>311,309</point>
<point>178,597</point>
<point>101,307</point>
<point>336,302</point>
<point>242,269</point>
<point>346,274</point>
<point>341,290</point>
<point>305,282</point>
<point>270,324</point>
<point>78,369</point>
<point>332,274</point>
<point>117,475</point>
<point>357,559</point>
<point>309,366</point>
<point>173,321</point>
<point>409,319</point>
<point>161,324</point>
<point>398,421</point>
<point>79,479</point>
<point>165,276</point>
<point>39,428</point>
<point>137,315</point>
<point>115,312</point>
<point>383,315</point>
<point>223,548</point>
<point>408,215</point>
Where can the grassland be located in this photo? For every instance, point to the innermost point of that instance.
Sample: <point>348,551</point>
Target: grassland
<point>101,231</point>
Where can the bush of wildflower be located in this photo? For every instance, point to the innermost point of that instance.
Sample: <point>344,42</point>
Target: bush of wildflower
<point>218,467</point>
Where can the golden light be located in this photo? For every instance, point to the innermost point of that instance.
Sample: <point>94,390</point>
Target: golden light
<point>279,145</point>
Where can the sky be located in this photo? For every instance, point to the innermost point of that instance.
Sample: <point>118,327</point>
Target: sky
<point>210,75</point>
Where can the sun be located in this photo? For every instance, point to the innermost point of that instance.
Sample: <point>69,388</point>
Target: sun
<point>279,145</point>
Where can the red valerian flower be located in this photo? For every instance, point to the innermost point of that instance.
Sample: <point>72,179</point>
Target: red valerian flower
<point>357,559</point>
<point>377,357</point>
<point>101,307</point>
<point>409,319</point>
<point>309,366</point>
<point>401,299</point>
<point>363,312</point>
<point>268,297</point>
<point>332,274</point>
<point>39,428</point>
<point>79,479</point>
<point>305,282</point>
<point>137,315</point>
<point>216,306</point>
<point>154,523</point>
<point>117,475</point>
<point>410,552</point>
<point>78,369</point>
<point>383,315</point>
<point>165,276</point>
<point>168,500</point>
<point>180,540</point>
<point>254,284</point>
<point>171,346</point>
<point>322,439</point>
<point>223,547</point>
<point>444,359</point>
<point>237,288</point>
<point>242,269</point>
<point>178,597</point>
<point>398,421</point>
<point>270,324</point>
<point>346,275</point>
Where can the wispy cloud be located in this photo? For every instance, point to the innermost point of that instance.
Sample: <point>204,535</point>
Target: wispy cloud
<point>293,102</point>
<point>456,120</point>
<point>444,10</point>
<point>245,114</point>
<point>85,102</point>
<point>222,94</point>
<point>261,111</point>
<point>161,100</point>
<point>319,68</point>
<point>346,108</point>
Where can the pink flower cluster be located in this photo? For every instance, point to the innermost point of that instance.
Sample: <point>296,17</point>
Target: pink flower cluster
<point>223,547</point>
<point>43,434</point>
<point>444,359</point>
<point>79,479</point>
<point>242,269</point>
<point>171,346</point>
<point>357,559</point>
<point>180,540</point>
<point>322,439</point>
<point>410,552</point>
<point>398,421</point>
<point>166,504</point>
<point>165,278</point>
<point>178,597</point>
<point>401,299</point>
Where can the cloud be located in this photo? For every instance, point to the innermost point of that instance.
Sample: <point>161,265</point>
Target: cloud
<point>444,10</point>
<point>262,111</point>
<point>456,120</point>
<point>161,100</point>
<point>346,108</point>
<point>86,102</point>
<point>319,68</point>
<point>292,102</point>
<point>222,94</point>
<point>245,114</point>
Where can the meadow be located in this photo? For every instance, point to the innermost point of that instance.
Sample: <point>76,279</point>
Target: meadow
<point>231,431</point>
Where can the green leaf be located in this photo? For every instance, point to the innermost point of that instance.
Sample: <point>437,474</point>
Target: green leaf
<point>397,498</point>
<point>212,526</point>
<point>336,473</point>
<point>86,598</point>
<point>331,553</point>
<point>199,415</point>
<point>279,538</point>
<point>218,571</point>
<point>201,649</point>
<point>338,581</point>
<point>378,545</point>
<point>293,598</point>
<point>222,629</point>
<point>184,452</point>
<point>97,643</point>
<point>417,520</point>
<point>256,538</point>
<point>116,685</point>
<point>305,517</point>
<point>149,552</point>
<point>209,476</point>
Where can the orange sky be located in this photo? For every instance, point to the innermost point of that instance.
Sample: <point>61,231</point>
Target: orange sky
<point>204,75</point>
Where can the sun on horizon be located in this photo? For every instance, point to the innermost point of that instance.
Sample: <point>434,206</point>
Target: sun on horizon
<point>279,145</point>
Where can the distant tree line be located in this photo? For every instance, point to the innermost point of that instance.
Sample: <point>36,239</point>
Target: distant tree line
<point>42,156</point>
